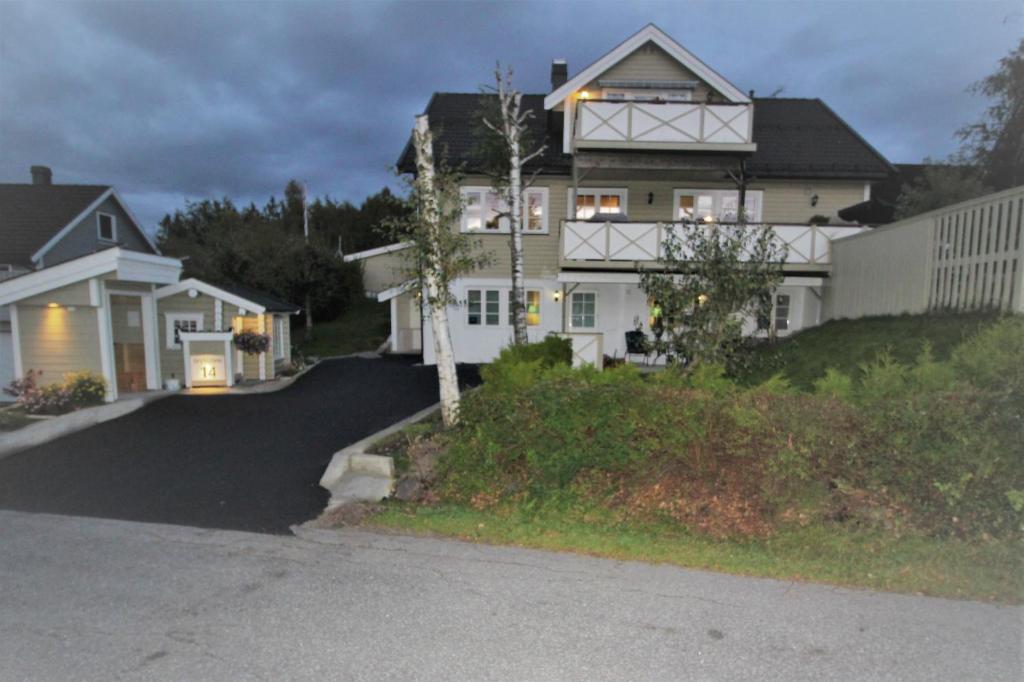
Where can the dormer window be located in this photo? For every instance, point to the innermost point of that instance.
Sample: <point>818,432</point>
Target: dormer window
<point>106,227</point>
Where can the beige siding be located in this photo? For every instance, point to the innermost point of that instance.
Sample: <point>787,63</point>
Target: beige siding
<point>783,202</point>
<point>650,62</point>
<point>407,333</point>
<point>968,256</point>
<point>287,341</point>
<point>74,294</point>
<point>385,271</point>
<point>59,340</point>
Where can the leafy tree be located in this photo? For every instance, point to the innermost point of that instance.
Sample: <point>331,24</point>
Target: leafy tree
<point>995,144</point>
<point>710,278</point>
<point>940,185</point>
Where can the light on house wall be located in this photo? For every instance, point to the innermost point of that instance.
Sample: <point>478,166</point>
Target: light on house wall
<point>51,304</point>
<point>584,94</point>
<point>557,296</point>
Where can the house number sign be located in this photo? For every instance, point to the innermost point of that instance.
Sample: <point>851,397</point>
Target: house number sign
<point>208,369</point>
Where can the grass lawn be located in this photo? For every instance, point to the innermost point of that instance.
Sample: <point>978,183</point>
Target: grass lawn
<point>364,327</point>
<point>846,344</point>
<point>992,571</point>
<point>12,419</point>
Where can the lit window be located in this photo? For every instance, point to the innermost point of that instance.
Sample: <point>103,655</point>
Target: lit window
<point>721,205</point>
<point>536,210</point>
<point>782,312</point>
<point>532,309</point>
<point>493,208</point>
<point>471,214</point>
<point>584,310</point>
<point>610,201</point>
<point>106,227</point>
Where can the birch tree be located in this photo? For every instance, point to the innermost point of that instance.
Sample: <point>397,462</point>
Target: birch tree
<point>509,128</point>
<point>440,254</point>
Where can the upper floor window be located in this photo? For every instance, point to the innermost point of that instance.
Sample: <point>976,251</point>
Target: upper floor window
<point>106,227</point>
<point>485,211</point>
<point>716,204</point>
<point>592,201</point>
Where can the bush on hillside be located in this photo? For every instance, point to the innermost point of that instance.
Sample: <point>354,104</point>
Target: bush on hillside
<point>522,365</point>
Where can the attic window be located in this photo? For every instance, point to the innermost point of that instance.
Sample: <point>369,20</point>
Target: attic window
<point>106,227</point>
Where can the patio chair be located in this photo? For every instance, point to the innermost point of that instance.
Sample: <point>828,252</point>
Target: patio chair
<point>636,344</point>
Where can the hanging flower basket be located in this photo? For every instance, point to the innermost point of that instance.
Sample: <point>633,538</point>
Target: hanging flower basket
<point>252,343</point>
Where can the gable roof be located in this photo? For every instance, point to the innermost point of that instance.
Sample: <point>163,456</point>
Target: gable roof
<point>796,138</point>
<point>33,218</point>
<point>648,34</point>
<point>252,300</point>
<point>31,214</point>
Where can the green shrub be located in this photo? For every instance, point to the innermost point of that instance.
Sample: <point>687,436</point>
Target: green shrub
<point>85,389</point>
<point>518,366</point>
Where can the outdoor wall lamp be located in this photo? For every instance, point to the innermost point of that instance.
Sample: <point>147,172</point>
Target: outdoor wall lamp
<point>650,197</point>
<point>558,296</point>
<point>814,200</point>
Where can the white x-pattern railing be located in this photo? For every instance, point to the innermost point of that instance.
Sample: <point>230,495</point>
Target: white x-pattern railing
<point>656,123</point>
<point>585,241</point>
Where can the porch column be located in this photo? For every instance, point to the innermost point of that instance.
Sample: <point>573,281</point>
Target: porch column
<point>261,321</point>
<point>149,341</point>
<point>187,355</point>
<point>106,338</point>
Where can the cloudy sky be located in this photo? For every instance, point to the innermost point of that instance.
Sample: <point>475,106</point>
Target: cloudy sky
<point>169,101</point>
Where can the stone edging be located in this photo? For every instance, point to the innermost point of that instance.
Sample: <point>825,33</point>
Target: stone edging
<point>65,424</point>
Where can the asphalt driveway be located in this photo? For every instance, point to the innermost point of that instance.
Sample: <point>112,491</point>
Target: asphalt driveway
<point>240,462</point>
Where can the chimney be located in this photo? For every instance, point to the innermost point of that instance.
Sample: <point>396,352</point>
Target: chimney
<point>42,175</point>
<point>559,73</point>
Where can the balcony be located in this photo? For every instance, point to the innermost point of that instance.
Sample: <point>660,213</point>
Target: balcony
<point>622,246</point>
<point>679,126</point>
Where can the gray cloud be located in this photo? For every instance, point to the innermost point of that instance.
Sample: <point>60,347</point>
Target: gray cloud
<point>170,101</point>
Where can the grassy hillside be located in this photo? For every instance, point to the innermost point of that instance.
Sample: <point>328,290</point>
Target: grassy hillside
<point>846,344</point>
<point>363,327</point>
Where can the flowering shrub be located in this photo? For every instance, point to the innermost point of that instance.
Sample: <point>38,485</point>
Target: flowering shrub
<point>79,389</point>
<point>252,343</point>
<point>26,384</point>
<point>85,389</point>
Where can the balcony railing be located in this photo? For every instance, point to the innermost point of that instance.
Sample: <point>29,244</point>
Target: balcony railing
<point>665,126</point>
<point>594,244</point>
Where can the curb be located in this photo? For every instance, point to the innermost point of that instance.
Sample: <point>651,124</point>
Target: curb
<point>356,457</point>
<point>65,424</point>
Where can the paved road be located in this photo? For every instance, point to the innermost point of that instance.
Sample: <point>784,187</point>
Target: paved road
<point>244,462</point>
<point>92,599</point>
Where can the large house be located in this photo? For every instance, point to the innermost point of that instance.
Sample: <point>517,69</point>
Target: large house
<point>646,135</point>
<point>83,287</point>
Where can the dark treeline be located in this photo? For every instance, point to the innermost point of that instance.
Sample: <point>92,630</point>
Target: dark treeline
<point>266,249</point>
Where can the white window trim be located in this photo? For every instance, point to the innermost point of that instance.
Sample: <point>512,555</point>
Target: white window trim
<point>643,95</point>
<point>622,192</point>
<point>717,195</point>
<point>502,307</point>
<point>503,223</point>
<point>113,227</point>
<point>596,316</point>
<point>278,340</point>
<point>789,312</point>
<point>169,320</point>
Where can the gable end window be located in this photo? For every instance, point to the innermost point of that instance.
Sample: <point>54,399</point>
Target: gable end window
<point>485,211</point>
<point>106,227</point>
<point>181,322</point>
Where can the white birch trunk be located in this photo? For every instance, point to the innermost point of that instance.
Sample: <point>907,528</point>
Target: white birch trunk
<point>447,376</point>
<point>516,219</point>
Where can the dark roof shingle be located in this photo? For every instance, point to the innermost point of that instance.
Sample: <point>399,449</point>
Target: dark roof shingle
<point>796,138</point>
<point>31,214</point>
<point>272,304</point>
